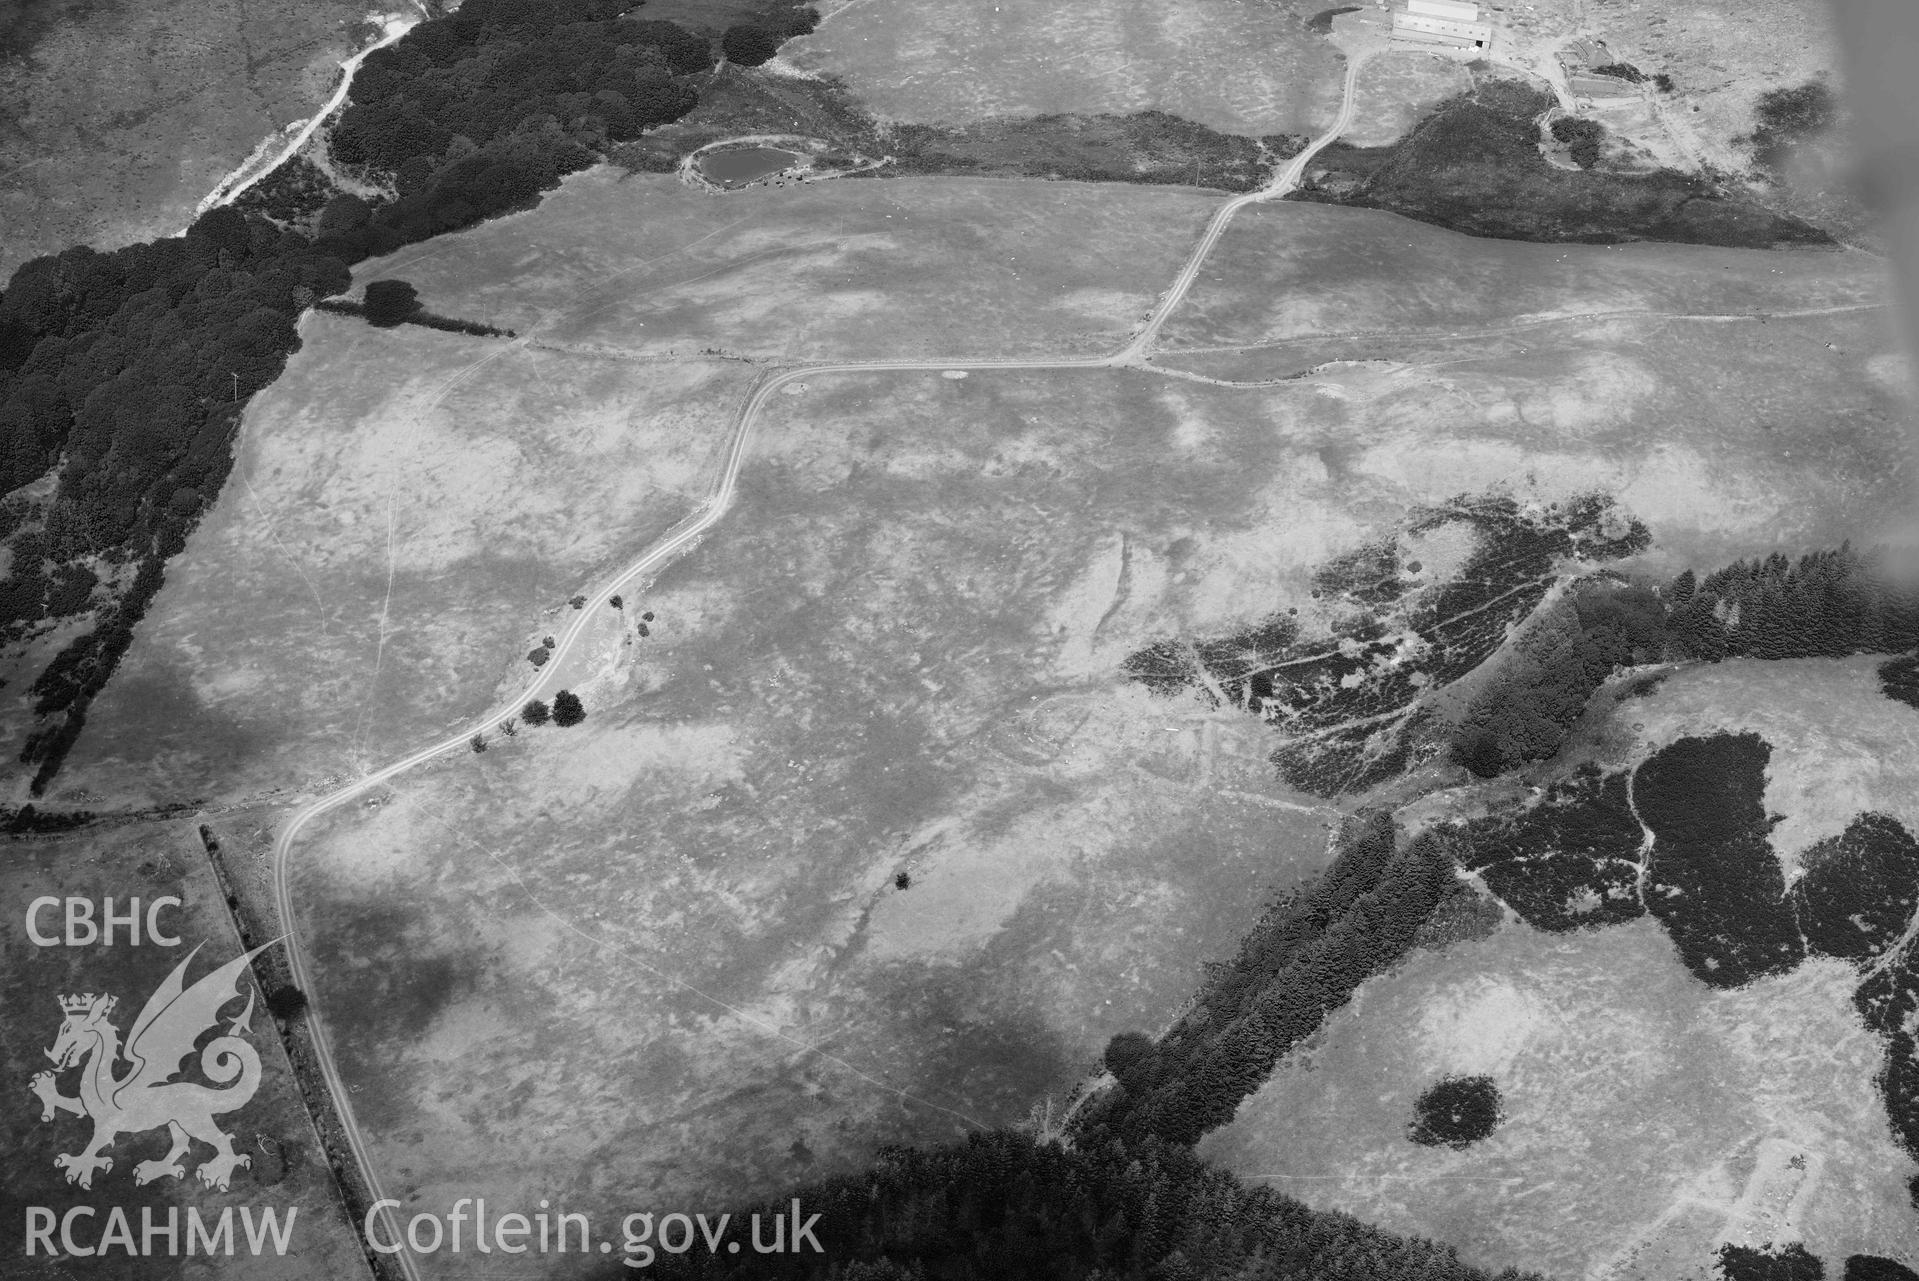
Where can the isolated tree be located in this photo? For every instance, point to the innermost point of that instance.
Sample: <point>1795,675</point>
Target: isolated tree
<point>748,44</point>
<point>567,709</point>
<point>536,713</point>
<point>477,742</point>
<point>510,727</point>
<point>388,302</point>
<point>287,1003</point>
<point>342,214</point>
<point>617,603</point>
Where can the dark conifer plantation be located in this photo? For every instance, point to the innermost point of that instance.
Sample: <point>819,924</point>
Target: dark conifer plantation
<point>1000,1207</point>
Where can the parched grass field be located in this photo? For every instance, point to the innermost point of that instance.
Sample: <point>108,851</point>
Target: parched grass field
<point>1241,67</point>
<point>663,958</point>
<point>1397,90</point>
<point>900,653</point>
<point>116,119</point>
<point>1648,1118</point>
<point>1289,270</point>
<point>853,268</point>
<point>289,1169</point>
<point>406,507</point>
<point>408,513</point>
<point>1689,424</point>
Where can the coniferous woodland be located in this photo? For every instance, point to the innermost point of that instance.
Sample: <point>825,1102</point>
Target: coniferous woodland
<point>1572,860</point>
<point>1351,700</point>
<point>1302,961</point>
<point>1827,604</point>
<point>1001,1207</point>
<point>123,375</point>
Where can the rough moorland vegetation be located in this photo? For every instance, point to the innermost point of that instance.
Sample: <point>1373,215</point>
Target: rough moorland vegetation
<point>1357,702</point>
<point>1474,166</point>
<point>1351,699</point>
<point>1785,118</point>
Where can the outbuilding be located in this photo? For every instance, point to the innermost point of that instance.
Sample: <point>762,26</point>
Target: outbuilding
<point>1446,10</point>
<point>1452,24</point>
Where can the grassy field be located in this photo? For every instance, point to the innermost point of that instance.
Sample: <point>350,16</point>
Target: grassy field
<point>1648,1118</point>
<point>1688,424</point>
<point>1289,271</point>
<point>898,656</point>
<point>666,958</point>
<point>1836,740</point>
<point>408,513</point>
<point>1397,89</point>
<point>1644,1113</point>
<point>1721,59</point>
<point>115,120</point>
<point>406,507</point>
<point>1241,68</point>
<point>288,1169</point>
<point>1485,359</point>
<point>856,269</point>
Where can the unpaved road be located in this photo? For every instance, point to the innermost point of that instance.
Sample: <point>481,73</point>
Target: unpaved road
<point>677,540</point>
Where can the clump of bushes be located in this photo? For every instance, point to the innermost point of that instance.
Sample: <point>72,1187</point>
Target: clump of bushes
<point>1456,1112</point>
<point>1786,117</point>
<point>1621,71</point>
<point>1583,138</point>
<point>748,44</point>
<point>388,302</point>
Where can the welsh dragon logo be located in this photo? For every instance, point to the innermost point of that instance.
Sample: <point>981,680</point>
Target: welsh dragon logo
<point>146,1097</point>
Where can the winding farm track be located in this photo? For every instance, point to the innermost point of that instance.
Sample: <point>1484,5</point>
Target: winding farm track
<point>677,540</point>
<point>249,172</point>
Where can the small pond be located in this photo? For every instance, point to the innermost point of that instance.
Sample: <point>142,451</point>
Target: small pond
<point>736,168</point>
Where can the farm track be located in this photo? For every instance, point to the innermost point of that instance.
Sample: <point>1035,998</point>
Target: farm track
<point>681,538</point>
